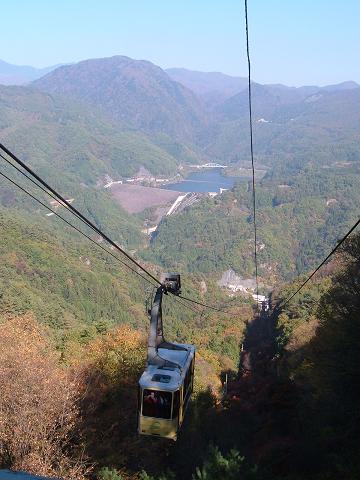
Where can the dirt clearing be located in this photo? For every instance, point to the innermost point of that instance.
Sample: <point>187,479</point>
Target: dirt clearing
<point>135,198</point>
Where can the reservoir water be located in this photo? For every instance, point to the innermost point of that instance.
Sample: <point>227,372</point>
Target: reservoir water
<point>206,180</point>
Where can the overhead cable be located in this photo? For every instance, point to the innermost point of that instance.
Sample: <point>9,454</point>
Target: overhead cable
<point>89,238</point>
<point>78,214</point>
<point>74,227</point>
<point>205,305</point>
<point>53,194</point>
<point>39,186</point>
<point>251,148</point>
<point>184,304</point>
<point>321,264</point>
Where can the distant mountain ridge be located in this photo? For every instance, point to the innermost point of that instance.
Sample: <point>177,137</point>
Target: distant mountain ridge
<point>204,84</point>
<point>216,87</point>
<point>206,124</point>
<point>21,74</point>
<point>211,86</point>
<point>138,95</point>
<point>290,132</point>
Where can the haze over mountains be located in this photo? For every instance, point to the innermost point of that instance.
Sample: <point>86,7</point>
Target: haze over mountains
<point>139,95</point>
<point>114,115</point>
<point>211,86</point>
<point>157,121</point>
<point>21,74</point>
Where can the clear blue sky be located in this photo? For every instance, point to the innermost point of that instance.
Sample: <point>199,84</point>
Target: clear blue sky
<point>295,42</point>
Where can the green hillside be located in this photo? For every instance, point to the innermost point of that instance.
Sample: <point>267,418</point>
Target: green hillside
<point>74,138</point>
<point>85,300</point>
<point>293,127</point>
<point>72,146</point>
<point>289,133</point>
<point>74,320</point>
<point>317,341</point>
<point>69,283</point>
<point>299,219</point>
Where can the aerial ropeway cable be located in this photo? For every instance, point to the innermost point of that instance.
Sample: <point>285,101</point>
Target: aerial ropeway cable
<point>76,212</point>
<point>252,151</point>
<point>46,188</point>
<point>282,304</point>
<point>73,226</point>
<point>204,305</point>
<point>166,385</point>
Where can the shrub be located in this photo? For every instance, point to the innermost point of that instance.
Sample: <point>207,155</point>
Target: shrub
<point>109,474</point>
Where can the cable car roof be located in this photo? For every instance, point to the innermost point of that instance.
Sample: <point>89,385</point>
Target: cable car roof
<point>167,378</point>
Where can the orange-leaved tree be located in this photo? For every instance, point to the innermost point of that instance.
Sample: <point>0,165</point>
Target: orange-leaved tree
<point>38,403</point>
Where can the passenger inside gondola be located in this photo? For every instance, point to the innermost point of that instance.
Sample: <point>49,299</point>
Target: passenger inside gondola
<point>156,404</point>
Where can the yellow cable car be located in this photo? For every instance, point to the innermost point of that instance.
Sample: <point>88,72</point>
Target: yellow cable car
<point>166,385</point>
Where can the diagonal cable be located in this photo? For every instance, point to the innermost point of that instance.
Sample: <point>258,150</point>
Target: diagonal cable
<point>75,211</point>
<point>252,149</point>
<point>53,194</point>
<point>74,227</point>
<point>321,264</point>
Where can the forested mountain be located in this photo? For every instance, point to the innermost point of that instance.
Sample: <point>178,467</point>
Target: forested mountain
<point>308,138</point>
<point>317,338</point>
<point>74,323</point>
<point>293,126</point>
<point>69,284</point>
<point>215,87</point>
<point>290,133</point>
<point>136,93</point>
<point>79,140</point>
<point>73,145</point>
<point>293,418</point>
<point>272,101</point>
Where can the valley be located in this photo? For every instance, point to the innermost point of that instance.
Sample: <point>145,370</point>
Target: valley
<point>136,177</point>
<point>159,160</point>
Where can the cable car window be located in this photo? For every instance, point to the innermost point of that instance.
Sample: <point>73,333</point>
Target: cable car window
<point>176,404</point>
<point>156,404</point>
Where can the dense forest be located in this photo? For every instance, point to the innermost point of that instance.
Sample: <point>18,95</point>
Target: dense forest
<point>299,219</point>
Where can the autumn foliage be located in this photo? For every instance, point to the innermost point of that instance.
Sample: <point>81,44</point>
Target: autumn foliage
<point>38,403</point>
